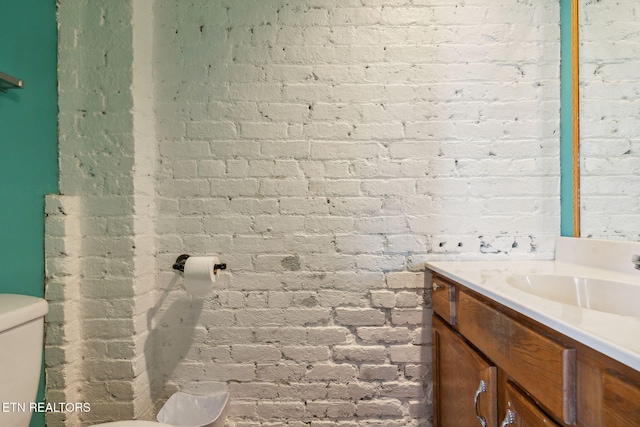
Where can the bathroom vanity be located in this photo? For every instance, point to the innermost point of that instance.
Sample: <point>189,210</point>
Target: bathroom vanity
<point>505,354</point>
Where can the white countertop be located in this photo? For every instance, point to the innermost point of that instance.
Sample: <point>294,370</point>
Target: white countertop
<point>616,336</point>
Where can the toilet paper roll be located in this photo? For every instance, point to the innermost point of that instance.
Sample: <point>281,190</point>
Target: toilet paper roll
<point>198,274</point>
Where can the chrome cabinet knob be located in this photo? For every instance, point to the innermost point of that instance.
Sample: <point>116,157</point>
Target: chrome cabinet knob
<point>510,418</point>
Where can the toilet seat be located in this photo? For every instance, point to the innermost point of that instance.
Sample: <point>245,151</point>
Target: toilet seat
<point>133,424</point>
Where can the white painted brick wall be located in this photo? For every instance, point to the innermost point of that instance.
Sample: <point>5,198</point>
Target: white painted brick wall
<point>325,150</point>
<point>107,175</point>
<point>96,156</point>
<point>609,195</point>
<point>63,327</point>
<point>144,208</point>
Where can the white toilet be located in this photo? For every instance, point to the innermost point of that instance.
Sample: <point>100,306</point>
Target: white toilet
<point>21,332</point>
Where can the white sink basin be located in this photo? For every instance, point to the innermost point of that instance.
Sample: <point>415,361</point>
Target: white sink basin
<point>593,294</point>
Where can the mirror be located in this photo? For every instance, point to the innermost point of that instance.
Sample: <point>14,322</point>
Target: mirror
<point>609,58</point>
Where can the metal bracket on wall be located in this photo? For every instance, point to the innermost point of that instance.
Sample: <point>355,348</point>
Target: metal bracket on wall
<point>182,260</point>
<point>7,82</point>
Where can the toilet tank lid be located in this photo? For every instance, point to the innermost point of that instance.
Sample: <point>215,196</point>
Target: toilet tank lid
<point>18,309</point>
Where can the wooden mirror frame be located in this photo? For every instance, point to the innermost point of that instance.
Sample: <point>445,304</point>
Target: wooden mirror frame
<point>575,120</point>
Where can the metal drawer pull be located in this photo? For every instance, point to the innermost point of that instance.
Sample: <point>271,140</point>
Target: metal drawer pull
<point>481,389</point>
<point>510,418</point>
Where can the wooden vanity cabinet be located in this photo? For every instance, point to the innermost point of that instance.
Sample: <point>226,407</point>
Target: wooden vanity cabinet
<point>532,375</point>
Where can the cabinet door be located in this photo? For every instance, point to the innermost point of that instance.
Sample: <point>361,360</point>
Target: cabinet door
<point>464,383</point>
<point>621,402</point>
<point>521,411</point>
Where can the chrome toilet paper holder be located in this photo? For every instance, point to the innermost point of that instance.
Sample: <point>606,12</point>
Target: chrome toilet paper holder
<point>182,259</point>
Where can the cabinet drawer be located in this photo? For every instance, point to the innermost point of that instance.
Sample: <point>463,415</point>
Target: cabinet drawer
<point>540,365</point>
<point>443,299</point>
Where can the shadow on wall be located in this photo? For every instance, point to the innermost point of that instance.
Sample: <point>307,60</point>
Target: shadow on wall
<point>10,96</point>
<point>170,338</point>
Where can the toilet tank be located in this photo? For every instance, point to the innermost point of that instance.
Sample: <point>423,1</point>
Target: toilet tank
<point>21,344</point>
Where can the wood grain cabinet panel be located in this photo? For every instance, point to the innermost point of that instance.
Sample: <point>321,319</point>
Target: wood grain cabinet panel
<point>465,383</point>
<point>621,406</point>
<point>443,299</point>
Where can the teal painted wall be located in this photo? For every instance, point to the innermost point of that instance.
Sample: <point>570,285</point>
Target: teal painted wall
<point>566,131</point>
<point>28,144</point>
